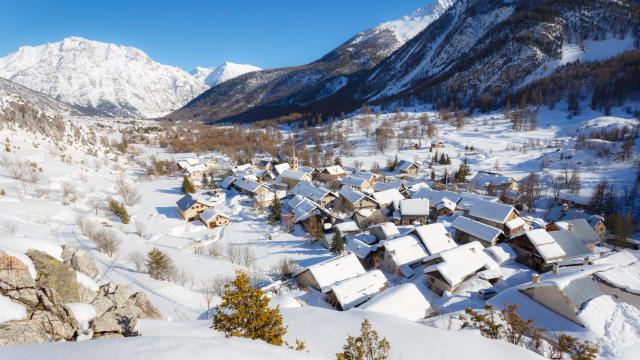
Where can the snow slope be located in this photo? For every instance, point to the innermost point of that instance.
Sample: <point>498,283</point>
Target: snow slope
<point>154,348</point>
<point>119,80</point>
<point>213,76</point>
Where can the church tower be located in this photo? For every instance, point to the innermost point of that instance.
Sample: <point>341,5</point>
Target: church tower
<point>294,158</point>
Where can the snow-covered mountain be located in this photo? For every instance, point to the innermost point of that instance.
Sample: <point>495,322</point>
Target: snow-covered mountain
<point>310,82</point>
<point>213,76</point>
<point>115,79</point>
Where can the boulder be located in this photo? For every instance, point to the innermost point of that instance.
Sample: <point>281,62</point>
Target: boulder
<point>148,310</point>
<point>23,332</point>
<point>55,275</point>
<point>106,324</point>
<point>85,294</point>
<point>14,274</point>
<point>80,260</point>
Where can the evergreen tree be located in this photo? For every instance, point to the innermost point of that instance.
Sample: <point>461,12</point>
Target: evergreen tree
<point>337,245</point>
<point>338,161</point>
<point>447,160</point>
<point>460,176</point>
<point>317,232</point>
<point>159,265</point>
<point>276,210</point>
<point>367,346</point>
<point>119,210</point>
<point>245,312</point>
<point>205,181</point>
<point>442,160</point>
<point>187,186</point>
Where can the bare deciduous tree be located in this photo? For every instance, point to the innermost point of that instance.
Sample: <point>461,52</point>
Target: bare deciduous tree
<point>141,228</point>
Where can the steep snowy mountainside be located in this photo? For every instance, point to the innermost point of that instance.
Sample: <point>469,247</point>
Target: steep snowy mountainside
<point>12,93</point>
<point>116,79</point>
<point>290,86</point>
<point>477,53</point>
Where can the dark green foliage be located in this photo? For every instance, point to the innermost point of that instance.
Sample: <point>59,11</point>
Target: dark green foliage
<point>187,186</point>
<point>119,210</point>
<point>337,244</point>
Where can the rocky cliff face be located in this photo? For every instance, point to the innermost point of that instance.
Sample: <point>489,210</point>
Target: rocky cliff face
<point>49,299</point>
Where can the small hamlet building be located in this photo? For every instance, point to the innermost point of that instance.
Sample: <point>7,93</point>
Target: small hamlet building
<point>213,218</point>
<point>190,207</point>
<point>468,230</point>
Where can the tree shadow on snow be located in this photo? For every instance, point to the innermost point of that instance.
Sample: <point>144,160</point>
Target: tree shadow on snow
<point>169,211</point>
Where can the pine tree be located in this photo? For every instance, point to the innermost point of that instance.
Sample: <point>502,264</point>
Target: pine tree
<point>337,245</point>
<point>276,209</point>
<point>316,231</point>
<point>463,171</point>
<point>187,186</point>
<point>159,265</point>
<point>119,210</point>
<point>245,312</point>
<point>205,181</point>
<point>367,346</point>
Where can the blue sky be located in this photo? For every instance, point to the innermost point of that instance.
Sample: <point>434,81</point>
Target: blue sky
<point>266,33</point>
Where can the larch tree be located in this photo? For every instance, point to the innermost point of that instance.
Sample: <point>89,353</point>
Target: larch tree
<point>366,346</point>
<point>245,312</point>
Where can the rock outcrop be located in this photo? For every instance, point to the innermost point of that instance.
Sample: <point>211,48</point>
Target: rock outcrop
<point>80,260</point>
<point>48,319</point>
<point>55,275</point>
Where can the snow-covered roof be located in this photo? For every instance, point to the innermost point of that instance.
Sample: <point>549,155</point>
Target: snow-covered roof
<point>491,211</point>
<point>352,196</point>
<point>404,300</point>
<point>247,185</point>
<point>388,229</point>
<point>436,196</point>
<point>186,202</point>
<point>354,291</point>
<point>484,178</point>
<point>446,204</point>
<point>546,245</point>
<point>462,261</point>
<point>397,185</point>
<point>336,269</point>
<point>501,253</point>
<point>477,229</point>
<point>405,165</point>
<point>414,207</point>
<point>515,223</point>
<point>269,195</point>
<point>347,227</point>
<point>294,175</point>
<point>405,250</point>
<point>194,169</point>
<point>303,209</point>
<point>281,168</point>
<point>226,182</point>
<point>211,214</point>
<point>435,238</point>
<point>369,176</point>
<point>579,228</point>
<point>334,170</point>
<point>307,189</point>
<point>353,181</point>
<point>387,197</point>
<point>359,247</point>
<point>622,277</point>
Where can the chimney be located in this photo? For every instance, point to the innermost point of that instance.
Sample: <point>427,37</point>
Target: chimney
<point>570,227</point>
<point>535,278</point>
<point>556,268</point>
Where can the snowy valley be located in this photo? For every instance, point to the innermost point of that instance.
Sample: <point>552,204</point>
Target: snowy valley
<point>404,227</point>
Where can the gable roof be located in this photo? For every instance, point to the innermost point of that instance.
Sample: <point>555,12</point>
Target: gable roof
<point>382,186</point>
<point>477,229</point>
<point>491,211</point>
<point>307,189</point>
<point>247,185</point>
<point>484,178</point>
<point>227,181</point>
<point>334,170</point>
<point>405,250</point>
<point>388,229</point>
<point>545,244</point>
<point>304,209</point>
<point>434,237</point>
<point>352,196</point>
<point>405,165</point>
<point>347,227</point>
<point>435,196</point>
<point>388,197</point>
<point>414,207</point>
<point>280,168</point>
<point>460,262</point>
<point>403,300</point>
<point>353,181</point>
<point>211,214</point>
<point>335,269</point>
<point>446,204</point>
<point>356,290</point>
<point>186,202</point>
<point>294,175</point>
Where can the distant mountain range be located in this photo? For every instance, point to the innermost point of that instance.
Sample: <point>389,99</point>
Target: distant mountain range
<point>295,86</point>
<point>473,53</point>
<point>113,79</point>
